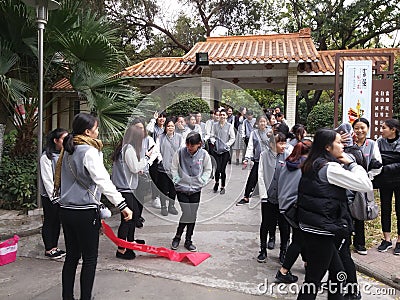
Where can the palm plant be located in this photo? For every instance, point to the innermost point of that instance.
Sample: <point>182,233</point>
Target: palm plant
<point>78,46</point>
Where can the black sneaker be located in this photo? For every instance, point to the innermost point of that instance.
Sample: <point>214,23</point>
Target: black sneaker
<point>287,278</point>
<point>164,211</point>
<point>355,296</point>
<point>175,243</point>
<point>385,246</point>
<point>139,224</point>
<point>222,191</point>
<point>242,202</point>
<point>215,188</point>
<point>360,249</point>
<point>397,249</point>
<point>271,243</point>
<point>282,254</point>
<point>53,254</point>
<point>172,210</point>
<point>62,252</point>
<point>189,246</point>
<point>262,256</point>
<point>128,255</point>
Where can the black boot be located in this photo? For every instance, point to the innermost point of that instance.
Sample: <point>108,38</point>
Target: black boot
<point>262,256</point>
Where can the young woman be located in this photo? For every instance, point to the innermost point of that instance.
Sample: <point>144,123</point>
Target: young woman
<point>373,161</point>
<point>288,183</point>
<point>155,128</point>
<point>299,132</point>
<point>168,144</point>
<point>51,222</point>
<point>323,211</point>
<point>258,142</point>
<point>129,159</point>
<point>222,137</point>
<point>271,161</point>
<point>239,145</point>
<point>388,181</point>
<point>191,170</point>
<point>84,178</point>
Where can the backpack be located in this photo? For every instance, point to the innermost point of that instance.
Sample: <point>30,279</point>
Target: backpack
<point>363,207</point>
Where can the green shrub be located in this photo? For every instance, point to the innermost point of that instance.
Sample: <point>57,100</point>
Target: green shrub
<point>186,104</point>
<point>322,115</point>
<point>18,181</point>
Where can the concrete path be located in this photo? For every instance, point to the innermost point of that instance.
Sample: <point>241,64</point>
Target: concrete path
<point>228,232</point>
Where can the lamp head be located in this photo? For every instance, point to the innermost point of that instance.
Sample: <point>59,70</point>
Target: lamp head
<point>42,8</point>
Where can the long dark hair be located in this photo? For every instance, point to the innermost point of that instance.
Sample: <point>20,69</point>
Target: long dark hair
<point>323,137</point>
<point>50,145</point>
<point>301,148</point>
<point>81,122</point>
<point>134,136</point>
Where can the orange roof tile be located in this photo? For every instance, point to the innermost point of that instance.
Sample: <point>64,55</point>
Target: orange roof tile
<point>62,85</point>
<point>271,48</point>
<point>159,67</point>
<point>326,63</point>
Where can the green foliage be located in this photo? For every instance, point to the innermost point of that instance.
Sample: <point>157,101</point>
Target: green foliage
<point>301,116</point>
<point>18,185</point>
<point>322,115</point>
<point>337,24</point>
<point>186,104</point>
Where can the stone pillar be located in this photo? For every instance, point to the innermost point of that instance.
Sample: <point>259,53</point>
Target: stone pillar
<point>2,129</point>
<point>291,92</point>
<point>207,89</point>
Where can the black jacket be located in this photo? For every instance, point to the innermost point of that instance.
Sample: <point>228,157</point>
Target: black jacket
<point>390,174</point>
<point>322,207</point>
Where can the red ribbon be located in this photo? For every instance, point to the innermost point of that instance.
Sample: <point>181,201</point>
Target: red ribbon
<point>194,257</point>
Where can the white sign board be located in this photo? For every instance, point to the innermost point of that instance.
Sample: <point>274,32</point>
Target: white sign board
<point>357,87</point>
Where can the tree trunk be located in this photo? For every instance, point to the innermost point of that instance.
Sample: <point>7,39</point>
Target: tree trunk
<point>25,141</point>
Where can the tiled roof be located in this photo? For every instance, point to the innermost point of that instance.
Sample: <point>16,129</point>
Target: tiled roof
<point>62,85</point>
<point>272,48</point>
<point>326,63</point>
<point>159,67</point>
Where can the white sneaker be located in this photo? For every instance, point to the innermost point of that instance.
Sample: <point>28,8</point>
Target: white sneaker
<point>156,203</point>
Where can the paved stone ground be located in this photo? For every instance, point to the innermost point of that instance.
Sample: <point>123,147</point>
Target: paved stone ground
<point>228,232</point>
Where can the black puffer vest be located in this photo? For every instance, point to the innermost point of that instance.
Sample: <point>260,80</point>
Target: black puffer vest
<point>322,207</point>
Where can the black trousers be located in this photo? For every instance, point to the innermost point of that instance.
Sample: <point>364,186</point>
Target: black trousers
<point>295,248</point>
<point>386,195</point>
<point>51,223</point>
<point>345,255</point>
<point>153,171</point>
<point>269,217</point>
<point>322,256</point>
<point>359,233</point>
<point>189,204</point>
<point>167,189</point>
<point>251,180</point>
<point>81,234</point>
<point>126,229</point>
<point>222,160</point>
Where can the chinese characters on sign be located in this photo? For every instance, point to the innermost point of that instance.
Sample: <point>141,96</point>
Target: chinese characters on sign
<point>382,104</point>
<point>357,86</point>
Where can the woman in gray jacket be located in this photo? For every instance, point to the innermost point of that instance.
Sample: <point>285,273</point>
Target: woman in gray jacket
<point>191,170</point>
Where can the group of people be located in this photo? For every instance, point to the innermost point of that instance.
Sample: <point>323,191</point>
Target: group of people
<point>303,186</point>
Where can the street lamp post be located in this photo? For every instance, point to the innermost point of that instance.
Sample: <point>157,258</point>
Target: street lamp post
<point>42,8</point>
